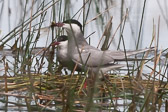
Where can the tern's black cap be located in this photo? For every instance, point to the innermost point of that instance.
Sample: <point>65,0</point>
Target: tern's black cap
<point>73,21</point>
<point>62,38</point>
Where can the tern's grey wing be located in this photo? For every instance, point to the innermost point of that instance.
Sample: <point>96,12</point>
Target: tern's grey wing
<point>119,55</point>
<point>92,57</point>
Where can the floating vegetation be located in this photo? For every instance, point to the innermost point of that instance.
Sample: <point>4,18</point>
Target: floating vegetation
<point>66,92</point>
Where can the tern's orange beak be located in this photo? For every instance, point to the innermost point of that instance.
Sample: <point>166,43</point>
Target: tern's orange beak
<point>55,43</point>
<point>59,24</point>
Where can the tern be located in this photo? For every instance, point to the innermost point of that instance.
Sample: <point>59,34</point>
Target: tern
<point>88,57</point>
<point>62,52</point>
<point>63,57</point>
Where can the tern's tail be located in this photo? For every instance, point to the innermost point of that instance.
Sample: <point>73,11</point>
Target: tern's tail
<point>130,53</point>
<point>120,55</point>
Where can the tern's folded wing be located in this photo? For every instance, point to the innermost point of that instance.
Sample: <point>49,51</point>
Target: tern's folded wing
<point>119,55</point>
<point>92,58</point>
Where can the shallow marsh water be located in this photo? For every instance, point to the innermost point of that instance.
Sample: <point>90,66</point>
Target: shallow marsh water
<point>153,9</point>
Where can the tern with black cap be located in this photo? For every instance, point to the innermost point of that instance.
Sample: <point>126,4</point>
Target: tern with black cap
<point>89,57</point>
